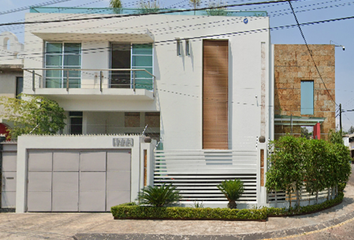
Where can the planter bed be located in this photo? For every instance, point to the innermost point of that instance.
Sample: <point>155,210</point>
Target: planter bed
<point>126,211</point>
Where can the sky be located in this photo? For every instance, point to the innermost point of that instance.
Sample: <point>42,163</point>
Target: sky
<point>337,32</point>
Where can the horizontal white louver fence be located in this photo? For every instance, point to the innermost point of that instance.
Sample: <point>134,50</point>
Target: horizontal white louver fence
<point>282,197</point>
<point>196,173</point>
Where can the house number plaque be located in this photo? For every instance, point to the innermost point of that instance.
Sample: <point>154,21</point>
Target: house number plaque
<point>123,142</point>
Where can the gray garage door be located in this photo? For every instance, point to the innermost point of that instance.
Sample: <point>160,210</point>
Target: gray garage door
<point>72,181</point>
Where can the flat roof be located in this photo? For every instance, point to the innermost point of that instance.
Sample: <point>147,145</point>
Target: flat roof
<point>127,11</point>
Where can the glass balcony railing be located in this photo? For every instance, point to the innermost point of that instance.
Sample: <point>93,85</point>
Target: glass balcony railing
<point>127,11</point>
<point>91,78</point>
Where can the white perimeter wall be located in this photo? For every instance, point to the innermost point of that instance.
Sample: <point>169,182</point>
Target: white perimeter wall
<point>179,78</point>
<point>93,142</point>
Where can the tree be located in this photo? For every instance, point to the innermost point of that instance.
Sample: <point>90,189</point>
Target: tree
<point>32,114</point>
<point>149,6</point>
<point>232,189</point>
<point>216,9</point>
<point>305,133</point>
<point>194,3</point>
<point>335,137</point>
<point>116,5</point>
<point>351,130</point>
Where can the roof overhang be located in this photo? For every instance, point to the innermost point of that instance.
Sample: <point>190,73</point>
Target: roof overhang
<point>284,120</point>
<point>139,36</point>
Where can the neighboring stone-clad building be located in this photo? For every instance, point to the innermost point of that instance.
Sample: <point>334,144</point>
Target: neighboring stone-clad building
<point>300,96</point>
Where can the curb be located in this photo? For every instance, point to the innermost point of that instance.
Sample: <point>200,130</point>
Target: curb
<point>247,236</point>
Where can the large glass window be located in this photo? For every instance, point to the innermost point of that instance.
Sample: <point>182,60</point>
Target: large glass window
<point>135,56</point>
<point>142,59</point>
<point>307,101</point>
<point>62,55</point>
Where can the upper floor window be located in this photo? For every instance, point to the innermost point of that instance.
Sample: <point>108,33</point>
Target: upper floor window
<point>307,99</point>
<point>62,55</point>
<point>19,86</point>
<point>135,56</point>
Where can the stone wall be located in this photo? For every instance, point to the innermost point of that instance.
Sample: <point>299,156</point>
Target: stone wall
<point>292,64</point>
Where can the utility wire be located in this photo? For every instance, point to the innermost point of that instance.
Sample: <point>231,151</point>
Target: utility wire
<point>308,48</point>
<point>143,14</point>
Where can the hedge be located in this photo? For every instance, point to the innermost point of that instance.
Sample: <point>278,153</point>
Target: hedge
<point>128,211</point>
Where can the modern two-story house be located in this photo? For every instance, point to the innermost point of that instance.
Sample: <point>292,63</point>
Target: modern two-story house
<point>196,83</point>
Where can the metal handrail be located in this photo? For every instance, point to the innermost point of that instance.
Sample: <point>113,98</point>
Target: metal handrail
<point>32,70</point>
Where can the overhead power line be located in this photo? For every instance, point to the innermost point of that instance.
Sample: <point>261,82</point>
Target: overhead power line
<point>308,48</point>
<point>35,5</point>
<point>142,14</point>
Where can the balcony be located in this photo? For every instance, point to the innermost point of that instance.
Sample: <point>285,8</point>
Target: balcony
<point>100,84</point>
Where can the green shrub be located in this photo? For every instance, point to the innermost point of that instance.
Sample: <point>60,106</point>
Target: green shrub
<point>125,211</point>
<point>158,196</point>
<point>232,189</point>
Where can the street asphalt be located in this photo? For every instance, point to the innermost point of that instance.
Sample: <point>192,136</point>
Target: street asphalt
<point>334,223</point>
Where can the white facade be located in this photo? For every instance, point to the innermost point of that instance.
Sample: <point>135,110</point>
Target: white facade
<point>177,92</point>
<point>178,78</point>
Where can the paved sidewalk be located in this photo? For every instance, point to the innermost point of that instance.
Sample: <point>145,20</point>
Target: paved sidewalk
<point>103,226</point>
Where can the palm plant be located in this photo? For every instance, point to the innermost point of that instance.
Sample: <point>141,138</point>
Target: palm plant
<point>116,5</point>
<point>152,6</point>
<point>159,196</point>
<point>232,189</point>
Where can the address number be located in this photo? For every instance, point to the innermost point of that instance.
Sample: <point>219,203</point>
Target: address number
<point>123,142</point>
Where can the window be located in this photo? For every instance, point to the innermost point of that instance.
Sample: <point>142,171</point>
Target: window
<point>135,56</point>
<point>19,85</point>
<point>179,47</point>
<point>152,119</point>
<point>75,123</point>
<point>132,119</point>
<point>62,55</point>
<point>188,51</point>
<point>307,101</point>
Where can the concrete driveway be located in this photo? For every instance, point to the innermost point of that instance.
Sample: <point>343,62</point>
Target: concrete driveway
<point>102,225</point>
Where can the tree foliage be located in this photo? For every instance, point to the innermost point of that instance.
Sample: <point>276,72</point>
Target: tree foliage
<point>158,196</point>
<point>216,9</point>
<point>232,189</point>
<point>335,137</point>
<point>115,4</point>
<point>32,114</point>
<point>315,164</point>
<point>351,130</point>
<point>149,6</point>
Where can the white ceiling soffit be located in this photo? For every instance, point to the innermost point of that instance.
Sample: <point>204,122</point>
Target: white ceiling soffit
<point>136,36</point>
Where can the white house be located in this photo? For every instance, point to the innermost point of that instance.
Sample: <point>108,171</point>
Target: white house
<point>199,84</point>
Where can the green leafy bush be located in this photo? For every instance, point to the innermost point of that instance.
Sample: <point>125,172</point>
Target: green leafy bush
<point>315,164</point>
<point>125,211</point>
<point>232,189</point>
<point>159,196</point>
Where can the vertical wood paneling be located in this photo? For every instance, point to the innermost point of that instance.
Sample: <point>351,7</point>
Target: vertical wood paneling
<point>215,94</point>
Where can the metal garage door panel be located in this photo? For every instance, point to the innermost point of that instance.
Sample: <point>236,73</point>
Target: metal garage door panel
<point>65,191</point>
<point>65,181</point>
<point>118,161</point>
<point>8,199</point>
<point>117,181</point>
<point>117,197</point>
<point>39,161</point>
<point>92,191</point>
<point>9,161</point>
<point>66,161</point>
<point>93,161</point>
<point>8,181</point>
<point>39,181</point>
<point>39,202</point>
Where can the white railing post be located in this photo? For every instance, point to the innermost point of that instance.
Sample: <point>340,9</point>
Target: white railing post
<point>134,81</point>
<point>33,81</point>
<point>67,80</point>
<point>101,77</point>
